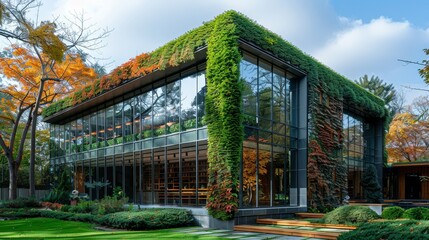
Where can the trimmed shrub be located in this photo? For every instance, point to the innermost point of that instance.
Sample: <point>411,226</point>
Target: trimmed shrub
<point>148,219</point>
<point>79,217</point>
<point>19,213</point>
<point>416,213</point>
<point>111,204</point>
<point>392,230</point>
<point>21,203</point>
<point>65,208</point>
<point>392,212</point>
<point>84,207</point>
<point>350,215</point>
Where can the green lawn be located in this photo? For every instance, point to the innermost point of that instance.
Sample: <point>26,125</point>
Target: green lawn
<point>47,228</point>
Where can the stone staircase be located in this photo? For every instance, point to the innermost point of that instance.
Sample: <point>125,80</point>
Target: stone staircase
<point>296,228</point>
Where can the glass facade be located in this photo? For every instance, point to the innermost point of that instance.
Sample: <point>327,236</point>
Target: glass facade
<point>358,151</point>
<point>152,144</point>
<point>270,135</point>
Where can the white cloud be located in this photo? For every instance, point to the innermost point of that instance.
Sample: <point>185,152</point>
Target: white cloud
<point>349,46</point>
<point>373,48</point>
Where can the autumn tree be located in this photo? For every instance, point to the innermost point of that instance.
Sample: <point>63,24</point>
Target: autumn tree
<point>424,72</point>
<point>251,168</point>
<point>53,46</point>
<point>25,69</point>
<point>408,138</point>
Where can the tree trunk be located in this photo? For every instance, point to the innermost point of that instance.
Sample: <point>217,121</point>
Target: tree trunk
<point>32,179</point>
<point>12,181</point>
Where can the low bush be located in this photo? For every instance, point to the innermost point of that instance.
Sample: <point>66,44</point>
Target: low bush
<point>21,203</point>
<point>79,217</point>
<point>148,219</point>
<point>84,207</point>
<point>392,212</point>
<point>19,213</point>
<point>65,208</point>
<point>417,213</point>
<point>350,215</point>
<point>111,204</point>
<point>392,230</point>
<point>52,206</point>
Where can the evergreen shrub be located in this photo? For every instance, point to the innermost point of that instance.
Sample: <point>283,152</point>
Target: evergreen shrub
<point>392,212</point>
<point>392,230</point>
<point>417,213</point>
<point>21,203</point>
<point>148,219</point>
<point>19,213</point>
<point>350,215</point>
<point>79,217</point>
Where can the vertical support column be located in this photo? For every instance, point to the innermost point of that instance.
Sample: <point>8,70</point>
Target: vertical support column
<point>379,149</point>
<point>298,193</point>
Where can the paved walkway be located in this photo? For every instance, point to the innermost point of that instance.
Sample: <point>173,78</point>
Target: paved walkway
<point>237,234</point>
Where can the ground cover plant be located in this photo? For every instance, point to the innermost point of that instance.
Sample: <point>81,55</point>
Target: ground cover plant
<point>46,228</point>
<point>392,230</point>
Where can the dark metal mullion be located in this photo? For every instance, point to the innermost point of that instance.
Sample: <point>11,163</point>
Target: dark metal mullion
<point>152,149</point>
<point>164,85</point>
<point>180,143</point>
<point>133,142</point>
<point>271,148</point>
<point>196,146</point>
<point>286,172</point>
<point>257,135</point>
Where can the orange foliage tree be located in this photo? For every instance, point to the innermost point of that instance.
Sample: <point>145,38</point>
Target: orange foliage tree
<point>34,84</point>
<point>48,44</point>
<point>250,156</point>
<point>408,138</point>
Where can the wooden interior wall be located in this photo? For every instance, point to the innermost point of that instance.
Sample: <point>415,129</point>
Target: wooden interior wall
<point>419,170</point>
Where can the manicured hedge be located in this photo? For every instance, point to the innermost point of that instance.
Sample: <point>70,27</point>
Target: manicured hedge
<point>392,212</point>
<point>417,213</point>
<point>78,217</point>
<point>350,215</point>
<point>392,230</point>
<point>18,213</point>
<point>21,203</point>
<point>148,219</point>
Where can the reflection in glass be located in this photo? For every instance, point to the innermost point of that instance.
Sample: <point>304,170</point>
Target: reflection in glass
<point>173,107</point>
<point>159,111</point>
<point>110,126</point>
<point>146,114</point>
<point>118,129</point>
<point>200,99</point>
<point>188,97</point>
<point>128,121</point>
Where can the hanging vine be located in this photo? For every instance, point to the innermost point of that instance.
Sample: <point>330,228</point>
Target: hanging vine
<point>327,173</point>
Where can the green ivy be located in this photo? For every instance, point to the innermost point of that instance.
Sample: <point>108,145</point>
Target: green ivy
<point>327,91</point>
<point>224,117</point>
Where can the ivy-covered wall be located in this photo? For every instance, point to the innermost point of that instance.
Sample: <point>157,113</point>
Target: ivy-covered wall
<point>327,91</point>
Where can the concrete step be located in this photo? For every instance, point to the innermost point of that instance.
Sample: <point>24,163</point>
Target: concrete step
<point>289,231</point>
<point>284,222</point>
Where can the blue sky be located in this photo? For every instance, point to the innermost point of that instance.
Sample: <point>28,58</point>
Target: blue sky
<point>414,11</point>
<point>353,37</point>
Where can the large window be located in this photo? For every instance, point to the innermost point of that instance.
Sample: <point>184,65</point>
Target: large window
<point>358,151</point>
<point>152,144</point>
<point>268,133</point>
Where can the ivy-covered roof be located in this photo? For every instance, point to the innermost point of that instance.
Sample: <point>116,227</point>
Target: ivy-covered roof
<point>183,48</point>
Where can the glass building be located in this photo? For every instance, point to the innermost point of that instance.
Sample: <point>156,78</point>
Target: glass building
<point>149,134</point>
